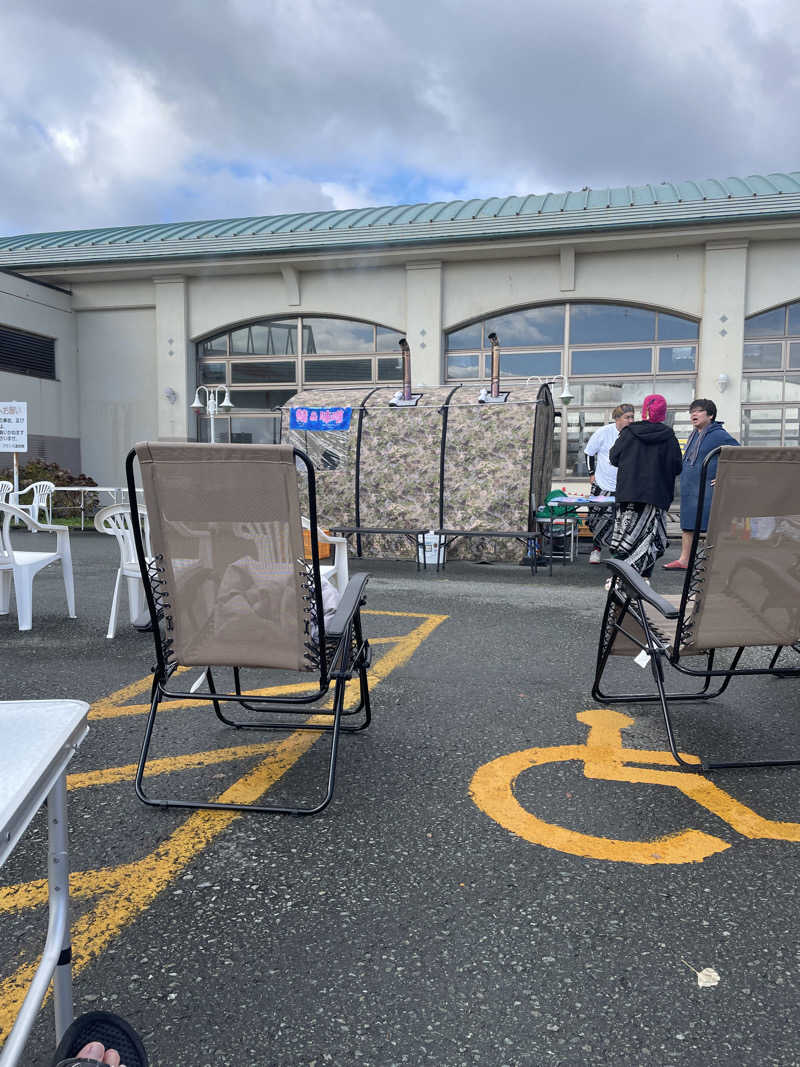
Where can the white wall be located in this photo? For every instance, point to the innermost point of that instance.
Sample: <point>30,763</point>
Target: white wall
<point>118,402</point>
<point>375,295</point>
<point>52,405</point>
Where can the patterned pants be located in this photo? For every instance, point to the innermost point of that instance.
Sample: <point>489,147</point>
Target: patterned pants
<point>600,520</point>
<point>640,536</point>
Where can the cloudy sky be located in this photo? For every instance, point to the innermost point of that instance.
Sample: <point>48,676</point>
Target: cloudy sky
<point>163,110</point>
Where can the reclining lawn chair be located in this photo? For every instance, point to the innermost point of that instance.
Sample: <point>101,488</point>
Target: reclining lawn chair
<point>742,590</point>
<point>228,575</point>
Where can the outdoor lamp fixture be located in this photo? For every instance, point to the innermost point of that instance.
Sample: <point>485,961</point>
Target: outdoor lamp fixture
<point>404,398</point>
<point>723,382</point>
<point>212,403</point>
<point>567,396</point>
<point>494,396</point>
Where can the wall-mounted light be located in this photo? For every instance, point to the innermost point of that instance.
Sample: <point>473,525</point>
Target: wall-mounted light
<point>170,395</point>
<point>723,382</point>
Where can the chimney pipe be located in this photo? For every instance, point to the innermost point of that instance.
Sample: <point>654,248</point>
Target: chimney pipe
<point>406,354</point>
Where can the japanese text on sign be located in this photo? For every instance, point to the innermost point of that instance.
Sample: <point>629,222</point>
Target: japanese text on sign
<point>13,426</point>
<point>302,418</point>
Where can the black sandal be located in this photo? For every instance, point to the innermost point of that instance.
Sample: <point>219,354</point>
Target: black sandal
<point>110,1030</point>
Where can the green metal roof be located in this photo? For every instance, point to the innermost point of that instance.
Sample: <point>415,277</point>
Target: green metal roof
<point>590,210</point>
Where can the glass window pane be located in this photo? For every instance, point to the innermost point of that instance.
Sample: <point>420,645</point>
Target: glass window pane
<point>214,345</point>
<point>250,431</point>
<point>469,337</point>
<point>260,398</point>
<point>612,361</point>
<point>794,320</point>
<point>762,390</point>
<point>791,426</point>
<point>603,323</point>
<point>462,366</point>
<point>525,364</point>
<point>677,358</point>
<point>337,335</point>
<point>761,426</point>
<point>279,371</point>
<point>536,326</point>
<point>792,388</point>
<point>794,356</point>
<point>211,374</point>
<point>265,339</point>
<point>676,328</point>
<point>676,392</point>
<point>338,370</point>
<point>387,340</point>
<point>242,340</point>
<point>609,394</point>
<point>767,324</point>
<point>221,430</point>
<point>390,370</point>
<point>762,357</point>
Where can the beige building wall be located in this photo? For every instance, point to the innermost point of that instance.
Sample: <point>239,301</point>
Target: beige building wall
<point>118,401</point>
<point>126,347</point>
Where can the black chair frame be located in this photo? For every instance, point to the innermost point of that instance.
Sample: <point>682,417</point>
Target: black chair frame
<point>342,653</point>
<point>627,597</point>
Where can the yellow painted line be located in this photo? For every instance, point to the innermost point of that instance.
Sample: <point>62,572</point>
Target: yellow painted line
<point>116,705</point>
<point>125,891</point>
<point>605,759</point>
<point>166,765</point>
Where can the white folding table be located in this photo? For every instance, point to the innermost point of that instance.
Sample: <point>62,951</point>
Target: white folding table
<point>39,738</point>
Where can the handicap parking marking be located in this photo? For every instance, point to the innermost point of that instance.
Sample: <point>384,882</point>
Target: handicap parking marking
<point>124,892</point>
<point>605,759</point>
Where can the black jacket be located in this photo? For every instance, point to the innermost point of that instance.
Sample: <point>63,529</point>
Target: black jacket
<point>648,459</point>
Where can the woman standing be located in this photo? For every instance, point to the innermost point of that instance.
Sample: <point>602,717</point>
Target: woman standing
<point>604,477</point>
<point>648,460</point>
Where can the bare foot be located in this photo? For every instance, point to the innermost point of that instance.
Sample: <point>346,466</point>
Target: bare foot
<point>95,1051</point>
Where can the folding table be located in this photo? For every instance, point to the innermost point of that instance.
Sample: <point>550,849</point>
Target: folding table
<point>40,737</point>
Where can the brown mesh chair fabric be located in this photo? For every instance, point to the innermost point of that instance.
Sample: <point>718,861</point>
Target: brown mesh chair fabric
<point>226,523</point>
<point>742,589</point>
<point>750,593</point>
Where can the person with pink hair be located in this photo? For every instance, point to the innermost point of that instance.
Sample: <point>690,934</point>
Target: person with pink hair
<point>648,460</point>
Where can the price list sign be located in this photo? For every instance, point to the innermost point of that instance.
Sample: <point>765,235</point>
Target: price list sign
<point>13,426</point>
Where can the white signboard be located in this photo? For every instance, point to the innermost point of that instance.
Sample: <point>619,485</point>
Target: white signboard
<point>13,426</point>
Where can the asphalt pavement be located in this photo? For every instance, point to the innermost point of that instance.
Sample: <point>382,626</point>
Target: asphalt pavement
<point>405,924</point>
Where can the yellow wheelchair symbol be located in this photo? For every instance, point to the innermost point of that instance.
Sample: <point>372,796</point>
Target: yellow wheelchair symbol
<point>604,758</point>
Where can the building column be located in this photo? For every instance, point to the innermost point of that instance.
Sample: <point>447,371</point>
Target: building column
<point>174,358</point>
<point>424,322</point>
<point>722,330</point>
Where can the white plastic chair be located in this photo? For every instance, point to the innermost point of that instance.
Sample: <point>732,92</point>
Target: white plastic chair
<point>6,488</point>
<point>22,567</point>
<point>42,500</point>
<point>336,572</point>
<point>116,521</point>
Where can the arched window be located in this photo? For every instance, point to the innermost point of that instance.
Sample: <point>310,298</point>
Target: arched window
<point>611,352</point>
<point>771,377</point>
<point>263,366</point>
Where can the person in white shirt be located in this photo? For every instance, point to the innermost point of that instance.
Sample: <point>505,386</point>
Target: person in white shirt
<point>604,477</point>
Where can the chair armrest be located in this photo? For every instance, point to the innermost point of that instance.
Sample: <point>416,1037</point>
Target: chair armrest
<point>348,605</point>
<point>23,516</point>
<point>325,538</point>
<point>634,581</point>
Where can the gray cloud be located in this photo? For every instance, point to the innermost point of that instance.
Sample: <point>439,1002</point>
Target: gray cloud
<point>120,113</point>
